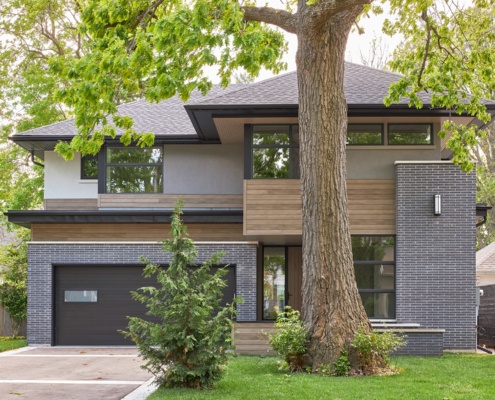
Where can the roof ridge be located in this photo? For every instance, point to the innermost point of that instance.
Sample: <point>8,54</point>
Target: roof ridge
<point>248,86</point>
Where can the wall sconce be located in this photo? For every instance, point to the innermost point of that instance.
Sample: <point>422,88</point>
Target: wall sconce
<point>438,204</point>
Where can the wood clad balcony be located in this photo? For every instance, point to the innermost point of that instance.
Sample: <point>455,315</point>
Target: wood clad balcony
<point>273,207</point>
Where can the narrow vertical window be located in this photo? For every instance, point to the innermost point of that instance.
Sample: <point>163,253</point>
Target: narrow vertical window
<point>89,167</point>
<point>274,272</point>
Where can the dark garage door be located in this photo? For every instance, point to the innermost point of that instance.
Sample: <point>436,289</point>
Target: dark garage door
<point>92,303</point>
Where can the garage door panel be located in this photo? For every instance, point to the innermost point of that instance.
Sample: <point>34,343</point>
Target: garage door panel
<point>99,323</point>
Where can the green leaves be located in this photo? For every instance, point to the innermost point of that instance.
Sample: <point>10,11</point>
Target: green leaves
<point>449,52</point>
<point>188,342</point>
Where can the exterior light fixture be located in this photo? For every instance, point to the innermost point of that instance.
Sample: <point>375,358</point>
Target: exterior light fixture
<point>438,204</point>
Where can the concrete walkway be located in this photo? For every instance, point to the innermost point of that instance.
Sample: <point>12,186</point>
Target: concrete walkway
<point>73,373</point>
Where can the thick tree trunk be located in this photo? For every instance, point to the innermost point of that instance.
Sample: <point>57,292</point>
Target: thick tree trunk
<point>332,308</point>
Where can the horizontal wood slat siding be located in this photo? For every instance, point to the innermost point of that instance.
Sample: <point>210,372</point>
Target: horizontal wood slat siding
<point>132,232</point>
<point>273,207</point>
<point>71,204</point>
<point>169,200</point>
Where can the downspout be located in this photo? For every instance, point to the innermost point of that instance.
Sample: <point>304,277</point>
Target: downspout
<point>42,166</point>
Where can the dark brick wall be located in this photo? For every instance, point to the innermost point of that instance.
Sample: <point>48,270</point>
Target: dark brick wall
<point>42,257</point>
<point>422,344</point>
<point>435,255</point>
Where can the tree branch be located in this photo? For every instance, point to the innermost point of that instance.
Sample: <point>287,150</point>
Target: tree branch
<point>282,19</point>
<point>323,10</point>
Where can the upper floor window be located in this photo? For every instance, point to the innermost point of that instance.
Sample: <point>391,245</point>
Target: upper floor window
<point>406,134</point>
<point>364,134</point>
<point>134,170</point>
<point>374,267</point>
<point>89,167</point>
<point>274,151</point>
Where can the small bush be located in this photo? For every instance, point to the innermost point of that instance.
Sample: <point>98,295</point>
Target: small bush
<point>290,339</point>
<point>373,349</point>
<point>342,366</point>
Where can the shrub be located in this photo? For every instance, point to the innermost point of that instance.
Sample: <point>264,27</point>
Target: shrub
<point>13,289</point>
<point>192,340</point>
<point>373,349</point>
<point>290,339</point>
<point>342,366</point>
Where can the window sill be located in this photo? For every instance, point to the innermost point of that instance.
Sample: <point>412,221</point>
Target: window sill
<point>88,181</point>
<point>393,147</point>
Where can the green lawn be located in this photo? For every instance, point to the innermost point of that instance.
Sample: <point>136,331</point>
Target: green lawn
<point>7,343</point>
<point>453,376</point>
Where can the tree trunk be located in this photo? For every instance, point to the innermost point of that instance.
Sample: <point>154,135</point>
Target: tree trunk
<point>332,308</point>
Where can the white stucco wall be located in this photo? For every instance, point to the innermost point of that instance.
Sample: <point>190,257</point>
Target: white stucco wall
<point>203,169</point>
<point>63,179</point>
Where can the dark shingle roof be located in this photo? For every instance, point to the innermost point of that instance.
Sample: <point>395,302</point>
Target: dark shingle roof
<point>363,86</point>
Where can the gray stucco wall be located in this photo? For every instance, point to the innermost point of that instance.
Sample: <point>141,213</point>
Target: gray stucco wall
<point>203,169</point>
<point>435,255</point>
<point>42,257</point>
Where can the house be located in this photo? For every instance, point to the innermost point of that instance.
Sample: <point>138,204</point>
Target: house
<point>233,157</point>
<point>485,265</point>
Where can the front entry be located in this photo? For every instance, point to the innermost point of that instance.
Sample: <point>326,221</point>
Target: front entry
<point>282,279</point>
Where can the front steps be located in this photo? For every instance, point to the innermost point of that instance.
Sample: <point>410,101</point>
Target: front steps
<point>248,340</point>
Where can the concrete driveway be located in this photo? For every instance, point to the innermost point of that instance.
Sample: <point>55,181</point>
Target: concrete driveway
<point>72,373</point>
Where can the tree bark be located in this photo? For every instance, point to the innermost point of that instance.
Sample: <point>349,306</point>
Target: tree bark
<point>332,309</point>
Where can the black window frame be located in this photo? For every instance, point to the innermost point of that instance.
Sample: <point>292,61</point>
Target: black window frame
<point>89,157</point>
<point>103,164</point>
<point>382,128</point>
<point>286,283</point>
<point>432,133</point>
<point>249,147</point>
<point>378,262</point>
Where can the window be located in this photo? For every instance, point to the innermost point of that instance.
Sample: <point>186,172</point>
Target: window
<point>275,151</point>
<point>406,134</point>
<point>374,267</point>
<point>80,296</point>
<point>274,273</point>
<point>364,134</point>
<point>89,167</point>
<point>134,170</point>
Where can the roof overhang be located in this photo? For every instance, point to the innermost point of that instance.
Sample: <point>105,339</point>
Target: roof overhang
<point>211,216</point>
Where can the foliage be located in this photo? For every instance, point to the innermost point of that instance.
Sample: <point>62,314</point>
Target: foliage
<point>13,289</point>
<point>188,342</point>
<point>448,52</point>
<point>373,349</point>
<point>484,155</point>
<point>342,366</point>
<point>156,50</point>
<point>453,376</point>
<point>290,339</point>
<point>11,344</point>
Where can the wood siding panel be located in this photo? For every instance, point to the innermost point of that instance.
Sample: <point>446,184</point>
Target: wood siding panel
<point>169,200</point>
<point>273,207</point>
<point>71,204</point>
<point>132,232</point>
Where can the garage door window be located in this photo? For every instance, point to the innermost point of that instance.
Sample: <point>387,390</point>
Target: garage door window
<point>81,296</point>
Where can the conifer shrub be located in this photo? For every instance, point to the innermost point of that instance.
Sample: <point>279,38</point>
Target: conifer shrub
<point>190,341</point>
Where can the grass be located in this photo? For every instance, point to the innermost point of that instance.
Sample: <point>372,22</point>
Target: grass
<point>7,343</point>
<point>453,376</point>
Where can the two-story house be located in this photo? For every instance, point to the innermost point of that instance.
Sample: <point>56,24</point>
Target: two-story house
<point>233,156</point>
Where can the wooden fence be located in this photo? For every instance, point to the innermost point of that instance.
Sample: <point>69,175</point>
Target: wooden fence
<point>486,317</point>
<point>6,326</point>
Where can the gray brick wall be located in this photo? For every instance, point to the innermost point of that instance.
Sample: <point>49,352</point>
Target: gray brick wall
<point>42,257</point>
<point>422,344</point>
<point>435,255</point>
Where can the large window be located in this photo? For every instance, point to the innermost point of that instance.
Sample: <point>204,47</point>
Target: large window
<point>275,151</point>
<point>134,170</point>
<point>374,266</point>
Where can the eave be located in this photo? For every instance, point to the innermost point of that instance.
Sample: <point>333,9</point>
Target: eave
<point>210,216</point>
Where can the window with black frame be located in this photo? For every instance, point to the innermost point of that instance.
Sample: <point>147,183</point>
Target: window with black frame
<point>374,267</point>
<point>134,170</point>
<point>364,134</point>
<point>275,151</point>
<point>89,167</point>
<point>410,134</point>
